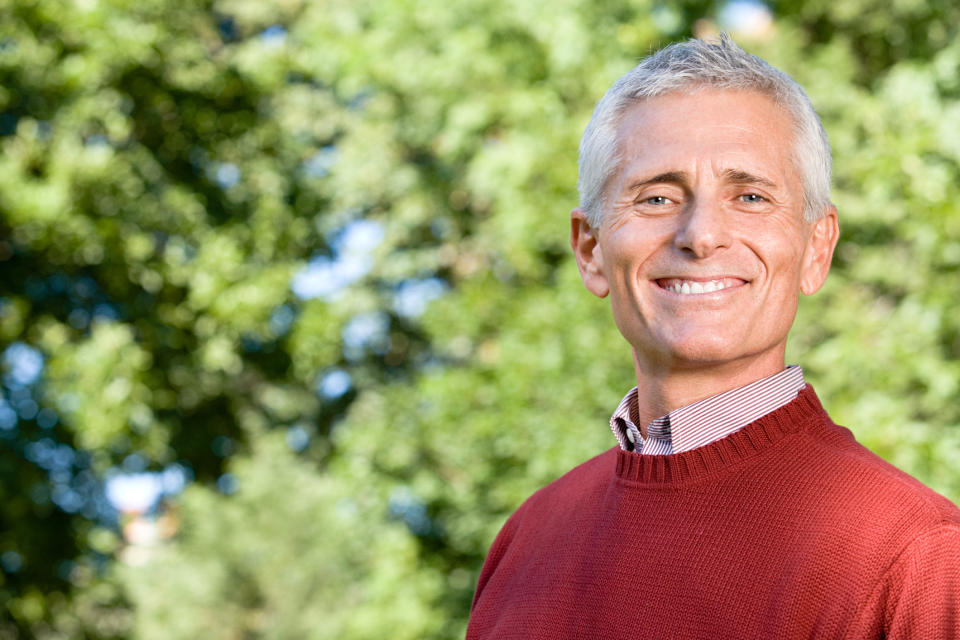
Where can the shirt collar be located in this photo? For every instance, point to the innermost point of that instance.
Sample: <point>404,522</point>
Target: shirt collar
<point>707,420</point>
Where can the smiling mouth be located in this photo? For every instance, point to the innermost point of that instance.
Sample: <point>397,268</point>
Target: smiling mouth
<point>693,287</point>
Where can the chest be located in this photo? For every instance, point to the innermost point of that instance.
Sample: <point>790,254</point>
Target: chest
<point>687,564</point>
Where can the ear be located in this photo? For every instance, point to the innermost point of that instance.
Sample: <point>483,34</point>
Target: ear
<point>819,253</point>
<point>584,240</point>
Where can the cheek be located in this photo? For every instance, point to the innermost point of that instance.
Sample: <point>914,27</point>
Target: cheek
<point>782,259</point>
<point>631,246</point>
<point>626,277</point>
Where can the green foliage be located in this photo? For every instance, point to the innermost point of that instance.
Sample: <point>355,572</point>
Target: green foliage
<point>880,34</point>
<point>167,168</point>
<point>229,577</point>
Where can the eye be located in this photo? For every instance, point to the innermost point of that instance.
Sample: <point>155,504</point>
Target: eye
<point>657,200</point>
<point>752,198</point>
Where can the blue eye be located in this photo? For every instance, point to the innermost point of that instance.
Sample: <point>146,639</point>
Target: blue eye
<point>657,200</point>
<point>752,197</point>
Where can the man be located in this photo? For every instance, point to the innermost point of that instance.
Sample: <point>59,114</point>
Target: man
<point>733,507</point>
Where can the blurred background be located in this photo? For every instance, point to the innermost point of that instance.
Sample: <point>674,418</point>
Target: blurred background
<point>288,324</point>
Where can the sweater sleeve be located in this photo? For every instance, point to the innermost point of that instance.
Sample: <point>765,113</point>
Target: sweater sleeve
<point>920,597</point>
<point>497,550</point>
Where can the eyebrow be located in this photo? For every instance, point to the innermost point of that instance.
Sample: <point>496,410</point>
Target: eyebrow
<point>736,176</point>
<point>672,177</point>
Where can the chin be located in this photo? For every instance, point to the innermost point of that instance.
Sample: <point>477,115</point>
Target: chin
<point>702,352</point>
<point>703,357</point>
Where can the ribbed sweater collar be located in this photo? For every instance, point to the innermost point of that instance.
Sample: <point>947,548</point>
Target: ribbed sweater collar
<point>716,456</point>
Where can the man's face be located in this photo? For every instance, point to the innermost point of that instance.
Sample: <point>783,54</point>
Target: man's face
<point>703,248</point>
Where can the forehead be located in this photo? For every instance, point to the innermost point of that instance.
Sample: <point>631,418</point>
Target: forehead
<point>708,128</point>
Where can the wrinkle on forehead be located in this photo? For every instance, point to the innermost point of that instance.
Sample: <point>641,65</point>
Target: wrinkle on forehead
<point>673,134</point>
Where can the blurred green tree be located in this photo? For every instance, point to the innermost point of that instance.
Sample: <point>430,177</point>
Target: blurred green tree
<point>316,251</point>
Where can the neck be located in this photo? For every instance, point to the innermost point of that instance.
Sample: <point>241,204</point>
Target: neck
<point>661,390</point>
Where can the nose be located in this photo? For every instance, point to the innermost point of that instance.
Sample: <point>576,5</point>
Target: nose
<point>703,229</point>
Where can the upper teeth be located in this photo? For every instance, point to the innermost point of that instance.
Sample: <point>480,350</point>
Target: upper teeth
<point>689,286</point>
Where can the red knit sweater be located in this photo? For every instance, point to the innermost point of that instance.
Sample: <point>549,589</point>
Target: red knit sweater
<point>786,529</point>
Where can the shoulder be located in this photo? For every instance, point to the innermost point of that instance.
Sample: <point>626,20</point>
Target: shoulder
<point>549,510</point>
<point>918,595</point>
<point>582,483</point>
<point>903,536</point>
<point>868,486</point>
<point>554,502</point>
<point>577,486</point>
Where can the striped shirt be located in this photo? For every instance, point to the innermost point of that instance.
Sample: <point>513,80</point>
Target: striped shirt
<point>706,420</point>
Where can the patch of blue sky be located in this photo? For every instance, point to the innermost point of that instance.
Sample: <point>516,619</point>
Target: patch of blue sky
<point>141,491</point>
<point>135,463</point>
<point>361,236</point>
<point>174,479</point>
<point>105,311</point>
<point>227,484</point>
<point>134,492</point>
<point>227,175</point>
<point>365,329</point>
<point>746,16</point>
<point>47,418</point>
<point>8,417</point>
<point>49,455</point>
<point>23,365</point>
<point>27,408</point>
<point>411,297</point>
<point>274,36</point>
<point>320,163</point>
<point>326,277</point>
<point>281,320</point>
<point>334,383</point>
<point>67,498</point>
<point>297,438</point>
<point>96,140</point>
<point>407,506</point>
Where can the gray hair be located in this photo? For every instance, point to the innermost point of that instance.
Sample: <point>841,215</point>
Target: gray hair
<point>688,66</point>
